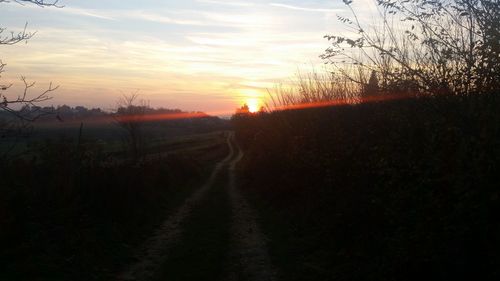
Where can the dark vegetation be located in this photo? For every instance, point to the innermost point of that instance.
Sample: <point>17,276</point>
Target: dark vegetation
<point>76,202</point>
<point>103,124</point>
<point>203,250</point>
<point>399,190</point>
<point>386,168</point>
<point>63,222</point>
<point>101,127</point>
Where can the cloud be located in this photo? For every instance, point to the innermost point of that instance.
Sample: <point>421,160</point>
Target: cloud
<point>192,54</point>
<point>128,15</point>
<point>153,17</point>
<point>87,12</point>
<point>297,8</point>
<point>183,17</point>
<point>227,3</point>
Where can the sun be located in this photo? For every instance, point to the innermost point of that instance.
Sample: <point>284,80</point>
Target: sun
<point>253,105</point>
<point>252,98</point>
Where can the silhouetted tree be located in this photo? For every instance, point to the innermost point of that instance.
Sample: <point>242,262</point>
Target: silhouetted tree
<point>130,117</point>
<point>429,47</point>
<point>243,109</point>
<point>372,87</point>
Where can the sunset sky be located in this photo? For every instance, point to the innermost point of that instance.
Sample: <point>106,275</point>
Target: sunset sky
<point>208,55</point>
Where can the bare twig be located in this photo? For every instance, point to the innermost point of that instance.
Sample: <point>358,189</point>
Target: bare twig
<point>40,3</point>
<point>24,106</point>
<point>29,111</point>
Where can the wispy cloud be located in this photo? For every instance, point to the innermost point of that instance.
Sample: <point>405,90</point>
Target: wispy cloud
<point>227,3</point>
<point>192,54</point>
<point>158,18</point>
<point>88,13</point>
<point>306,9</point>
<point>129,15</point>
<point>184,17</point>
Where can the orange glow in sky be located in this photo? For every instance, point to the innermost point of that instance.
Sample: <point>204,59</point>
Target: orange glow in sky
<point>196,55</point>
<point>254,105</point>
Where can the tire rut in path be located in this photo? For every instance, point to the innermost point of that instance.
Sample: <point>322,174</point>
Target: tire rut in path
<point>155,250</point>
<point>249,258</point>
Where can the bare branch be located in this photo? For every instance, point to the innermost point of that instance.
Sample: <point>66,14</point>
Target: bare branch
<point>14,38</point>
<point>40,3</point>
<point>29,111</point>
<point>24,106</point>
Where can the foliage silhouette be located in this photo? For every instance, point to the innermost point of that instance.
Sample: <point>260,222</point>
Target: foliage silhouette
<point>423,47</point>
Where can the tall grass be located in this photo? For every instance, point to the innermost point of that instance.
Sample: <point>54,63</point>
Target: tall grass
<point>314,87</point>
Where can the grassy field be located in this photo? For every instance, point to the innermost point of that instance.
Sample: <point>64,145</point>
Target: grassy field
<point>71,216</point>
<point>105,133</point>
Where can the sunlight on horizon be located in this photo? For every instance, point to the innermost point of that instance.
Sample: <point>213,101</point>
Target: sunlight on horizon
<point>195,55</point>
<point>253,98</point>
<point>253,104</point>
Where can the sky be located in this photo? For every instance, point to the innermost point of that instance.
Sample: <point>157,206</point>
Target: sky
<point>196,55</point>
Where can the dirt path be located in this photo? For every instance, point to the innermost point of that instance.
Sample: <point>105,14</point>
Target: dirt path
<point>249,258</point>
<point>246,252</point>
<point>154,251</point>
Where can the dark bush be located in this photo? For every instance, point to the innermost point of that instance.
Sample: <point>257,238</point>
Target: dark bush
<point>398,190</point>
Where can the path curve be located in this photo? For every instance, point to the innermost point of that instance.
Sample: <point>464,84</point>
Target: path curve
<point>155,250</point>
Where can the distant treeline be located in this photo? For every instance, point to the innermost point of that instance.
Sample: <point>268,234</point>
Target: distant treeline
<point>63,113</point>
<point>97,123</point>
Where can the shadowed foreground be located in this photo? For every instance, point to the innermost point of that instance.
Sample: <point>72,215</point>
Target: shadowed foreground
<point>213,235</point>
<point>395,190</point>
